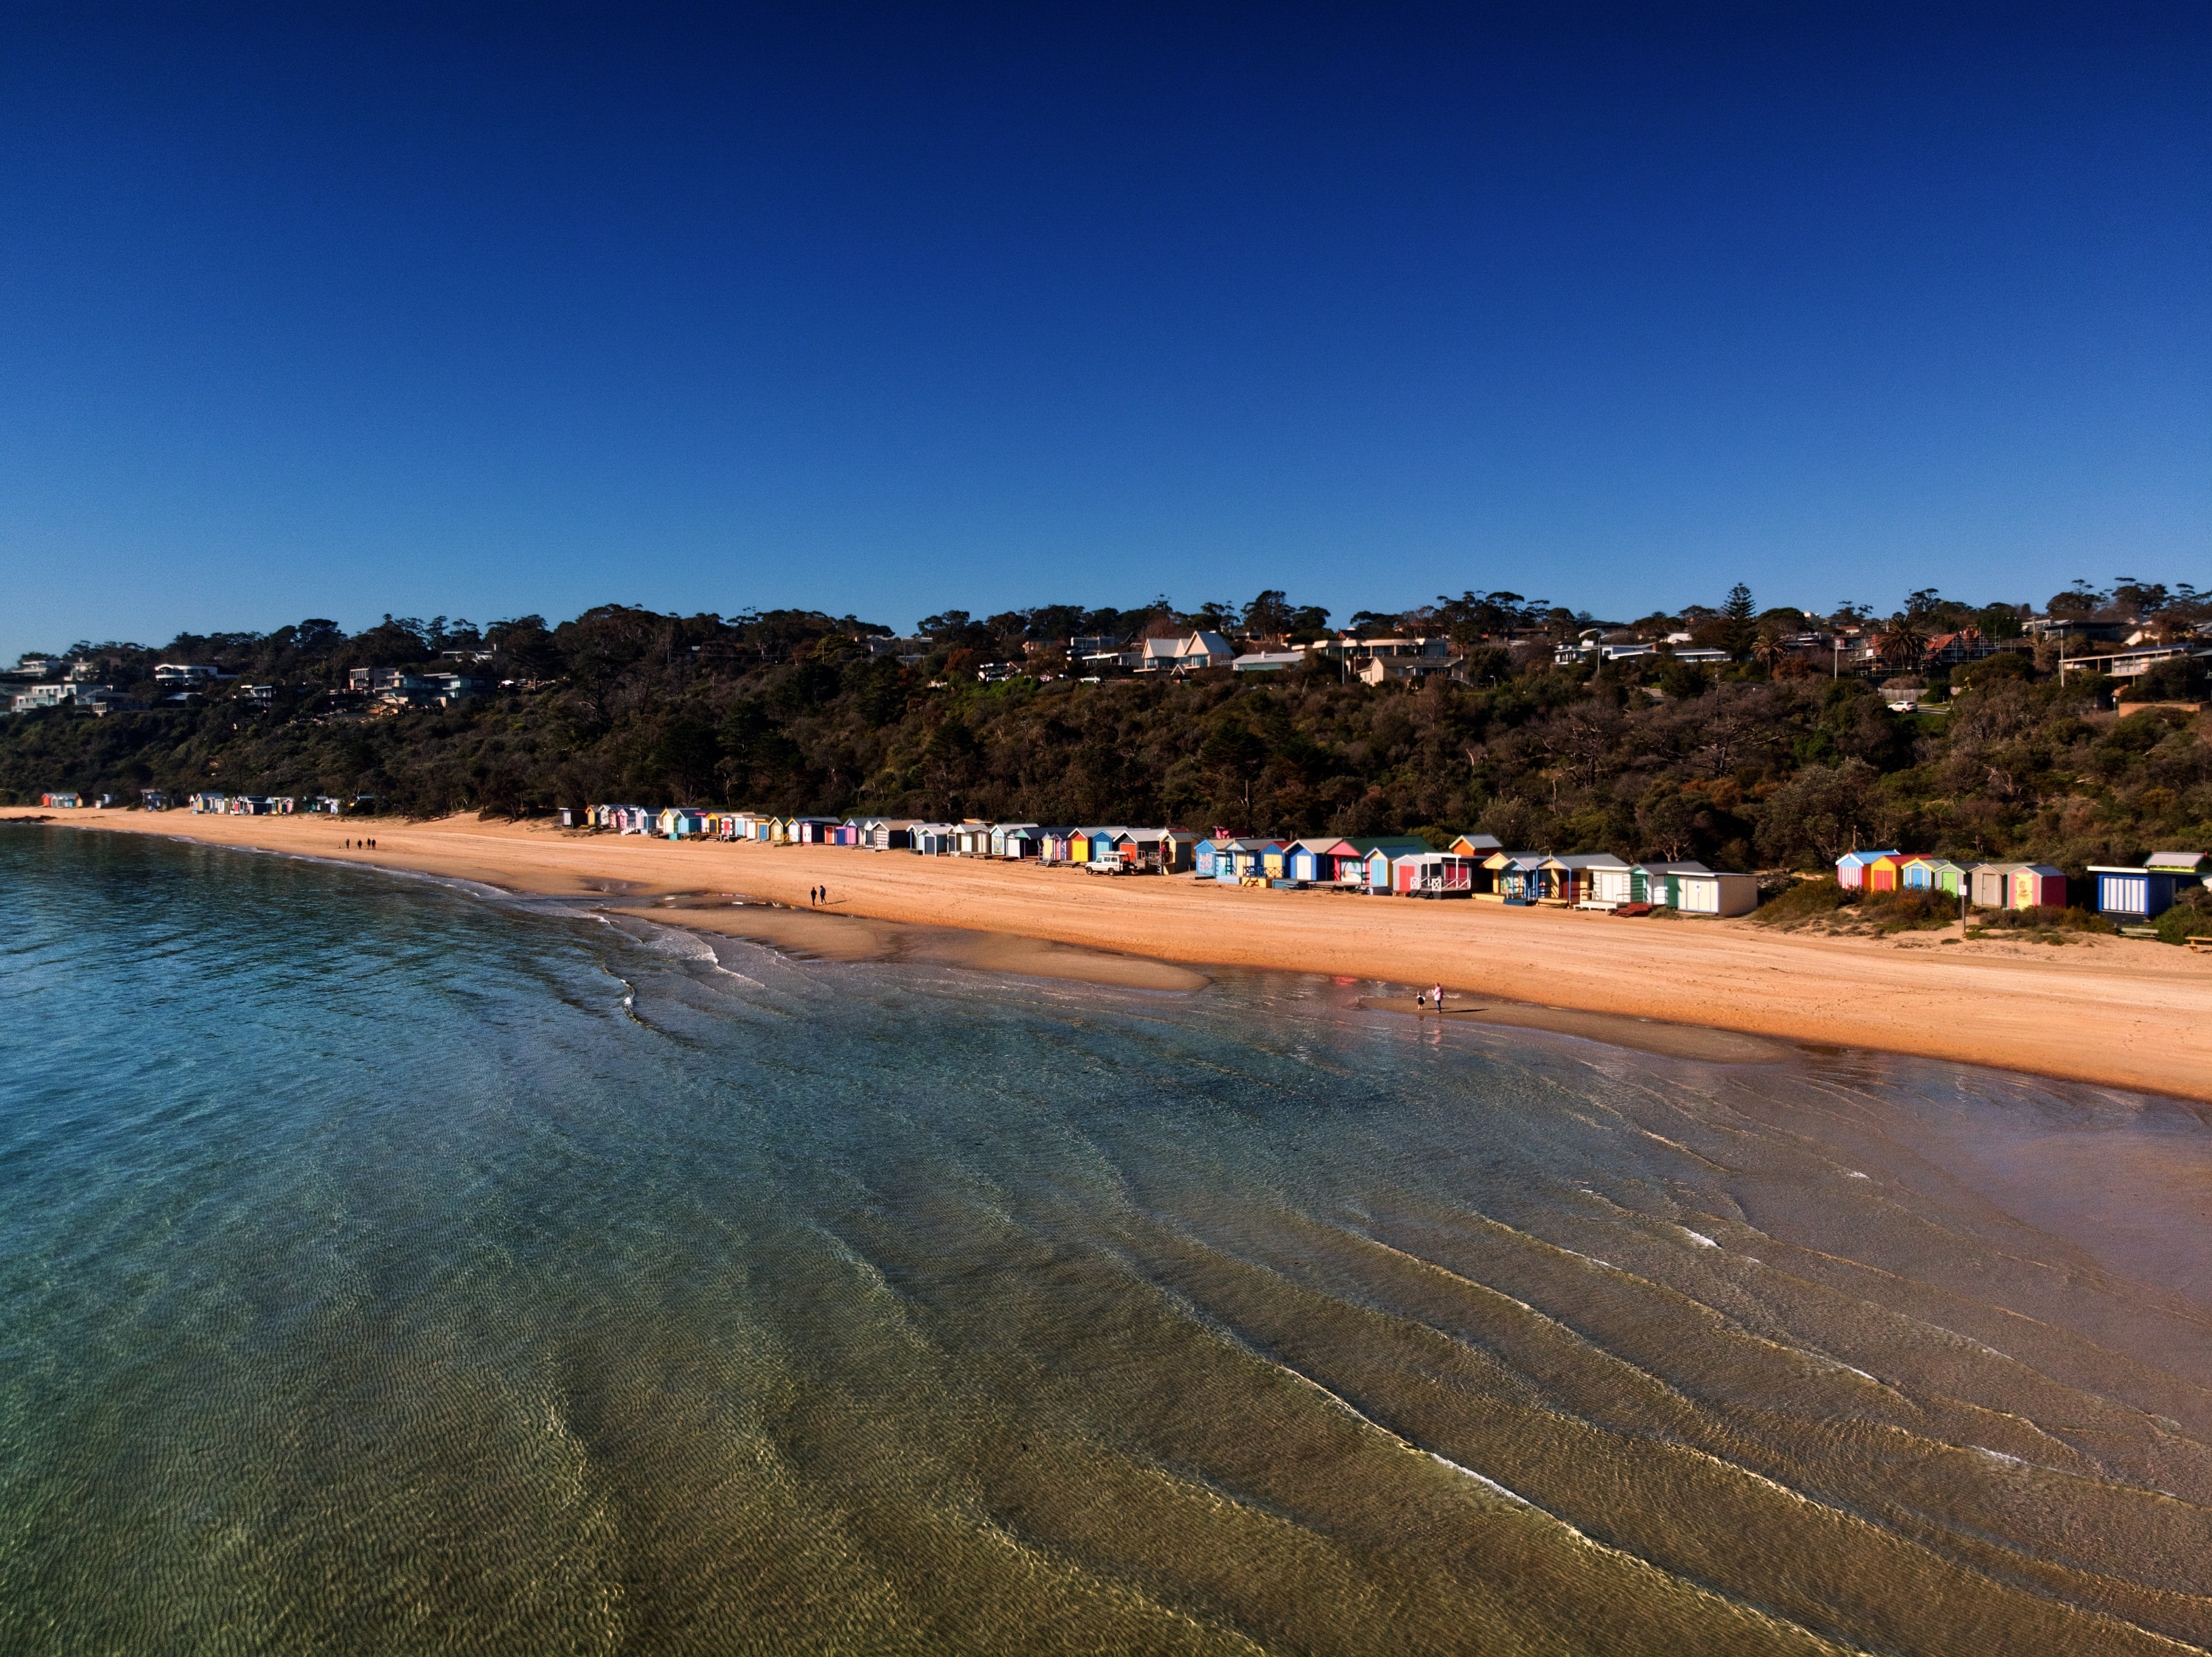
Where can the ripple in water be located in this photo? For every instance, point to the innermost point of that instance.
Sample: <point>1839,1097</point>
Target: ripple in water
<point>388,1268</point>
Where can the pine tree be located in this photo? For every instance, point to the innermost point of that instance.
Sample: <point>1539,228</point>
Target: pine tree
<point>1738,631</point>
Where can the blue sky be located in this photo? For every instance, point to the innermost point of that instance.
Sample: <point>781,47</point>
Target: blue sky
<point>482,311</point>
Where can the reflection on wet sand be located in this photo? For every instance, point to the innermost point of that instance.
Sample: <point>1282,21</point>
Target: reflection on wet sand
<point>823,935</point>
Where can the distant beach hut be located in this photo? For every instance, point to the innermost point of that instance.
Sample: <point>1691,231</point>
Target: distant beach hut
<point>2039,884</point>
<point>1477,846</point>
<point>1989,885</point>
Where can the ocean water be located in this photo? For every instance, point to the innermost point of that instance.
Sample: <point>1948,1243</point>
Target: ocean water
<point>385,1267</point>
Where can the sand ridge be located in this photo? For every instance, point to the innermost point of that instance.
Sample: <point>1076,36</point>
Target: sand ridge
<point>2119,1012</point>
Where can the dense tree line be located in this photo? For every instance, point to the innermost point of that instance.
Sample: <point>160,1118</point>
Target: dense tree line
<point>1759,762</point>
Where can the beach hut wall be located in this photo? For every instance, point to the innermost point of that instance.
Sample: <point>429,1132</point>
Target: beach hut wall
<point>1204,855</point>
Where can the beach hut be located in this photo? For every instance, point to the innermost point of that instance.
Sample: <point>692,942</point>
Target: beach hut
<point>931,839</point>
<point>1240,860</point>
<point>1988,886</point>
<point>1660,883</point>
<point>1508,877</point>
<point>1881,875</point>
<point>1000,832</point>
<point>2188,868</point>
<point>1851,867</point>
<point>1477,846</point>
<point>1606,884</point>
<point>1177,851</point>
<point>1107,845</point>
<point>1206,855</point>
<point>1917,874</point>
<point>1715,892</point>
<point>1317,861</point>
<point>2039,884</point>
<point>1432,875</point>
<point>1571,879</point>
<point>2141,894</point>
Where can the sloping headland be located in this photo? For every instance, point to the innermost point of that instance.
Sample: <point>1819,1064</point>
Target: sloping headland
<point>2121,1013</point>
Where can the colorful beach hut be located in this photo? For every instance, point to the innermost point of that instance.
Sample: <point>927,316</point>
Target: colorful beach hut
<point>2035,885</point>
<point>1572,880</point>
<point>1477,846</point>
<point>2129,893</point>
<point>1432,875</point>
<point>1881,875</point>
<point>1851,867</point>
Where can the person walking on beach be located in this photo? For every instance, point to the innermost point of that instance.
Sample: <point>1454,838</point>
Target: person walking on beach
<point>1437,996</point>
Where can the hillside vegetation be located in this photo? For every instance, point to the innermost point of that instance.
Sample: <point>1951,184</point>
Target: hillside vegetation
<point>1740,765</point>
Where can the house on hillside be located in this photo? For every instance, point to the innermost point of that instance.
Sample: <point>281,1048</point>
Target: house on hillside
<point>1185,655</point>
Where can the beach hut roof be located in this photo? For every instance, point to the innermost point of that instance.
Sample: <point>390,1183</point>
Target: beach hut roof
<point>2040,868</point>
<point>1861,858</point>
<point>1390,843</point>
<point>1674,868</point>
<point>1587,860</point>
<point>1479,842</point>
<point>2179,862</point>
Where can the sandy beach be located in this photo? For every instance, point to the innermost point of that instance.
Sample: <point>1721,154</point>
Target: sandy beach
<point>2120,1013</point>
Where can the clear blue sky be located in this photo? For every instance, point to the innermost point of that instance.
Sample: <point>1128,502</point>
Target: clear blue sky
<point>479,312</point>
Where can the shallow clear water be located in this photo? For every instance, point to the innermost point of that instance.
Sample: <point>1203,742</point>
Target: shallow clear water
<point>385,1267</point>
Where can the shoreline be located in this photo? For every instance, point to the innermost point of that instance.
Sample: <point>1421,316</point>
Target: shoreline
<point>2105,1012</point>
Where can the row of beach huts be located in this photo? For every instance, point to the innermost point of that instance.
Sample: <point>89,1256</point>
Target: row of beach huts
<point>2126,893</point>
<point>1472,866</point>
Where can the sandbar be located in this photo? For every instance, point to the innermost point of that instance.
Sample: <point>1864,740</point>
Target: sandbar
<point>2117,1012</point>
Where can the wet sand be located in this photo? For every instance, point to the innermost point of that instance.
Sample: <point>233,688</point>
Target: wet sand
<point>813,933</point>
<point>2118,1013</point>
<point>1615,1029</point>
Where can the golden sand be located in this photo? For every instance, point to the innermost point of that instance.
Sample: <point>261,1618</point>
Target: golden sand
<point>2119,1012</point>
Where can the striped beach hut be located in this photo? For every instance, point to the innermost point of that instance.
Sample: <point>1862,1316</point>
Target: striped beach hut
<point>2133,894</point>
